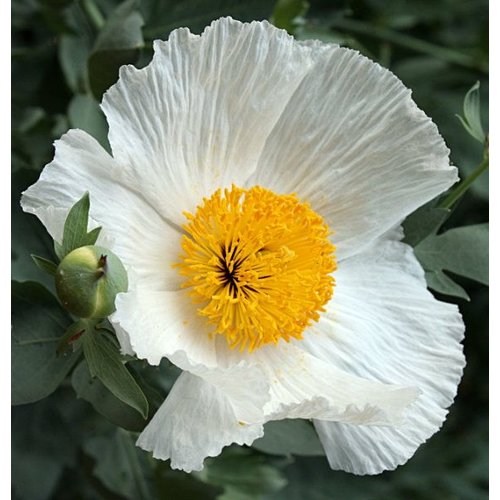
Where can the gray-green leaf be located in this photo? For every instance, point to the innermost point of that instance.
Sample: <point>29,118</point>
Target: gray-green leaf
<point>472,114</point>
<point>120,465</point>
<point>463,251</point>
<point>84,113</point>
<point>73,53</point>
<point>289,437</point>
<point>439,282</point>
<point>28,235</point>
<point>425,221</point>
<point>287,14</point>
<point>197,14</point>
<point>118,43</point>
<point>38,322</point>
<point>105,363</point>
<point>103,401</point>
<point>241,474</point>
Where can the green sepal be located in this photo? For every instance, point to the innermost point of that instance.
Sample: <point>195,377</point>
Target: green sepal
<point>44,264</point>
<point>75,233</point>
<point>88,280</point>
<point>71,335</point>
<point>58,249</point>
<point>104,362</point>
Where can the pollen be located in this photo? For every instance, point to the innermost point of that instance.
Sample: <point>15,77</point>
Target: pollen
<point>257,265</point>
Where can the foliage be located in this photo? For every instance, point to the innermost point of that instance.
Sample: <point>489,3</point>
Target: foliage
<point>37,323</point>
<point>74,433</point>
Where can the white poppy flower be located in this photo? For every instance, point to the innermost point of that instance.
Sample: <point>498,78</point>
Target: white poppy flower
<point>240,157</point>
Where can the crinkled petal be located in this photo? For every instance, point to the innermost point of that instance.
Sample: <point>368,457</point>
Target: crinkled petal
<point>352,142</point>
<point>142,239</point>
<point>303,386</point>
<point>197,117</point>
<point>196,421</point>
<point>124,340</point>
<point>382,324</point>
<point>165,324</point>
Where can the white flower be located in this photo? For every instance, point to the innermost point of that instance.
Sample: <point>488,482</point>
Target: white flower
<point>245,302</point>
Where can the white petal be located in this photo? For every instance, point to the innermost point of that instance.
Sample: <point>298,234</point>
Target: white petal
<point>123,339</point>
<point>197,117</point>
<point>196,421</point>
<point>131,227</point>
<point>165,324</point>
<point>353,143</point>
<point>303,386</point>
<point>384,325</point>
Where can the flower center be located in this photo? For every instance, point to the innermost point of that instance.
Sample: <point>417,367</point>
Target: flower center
<point>258,264</point>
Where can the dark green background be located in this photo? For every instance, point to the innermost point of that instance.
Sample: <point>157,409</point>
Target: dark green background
<point>62,448</point>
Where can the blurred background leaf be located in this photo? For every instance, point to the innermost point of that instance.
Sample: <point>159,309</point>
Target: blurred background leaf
<point>119,42</point>
<point>289,437</point>
<point>38,322</point>
<point>65,53</point>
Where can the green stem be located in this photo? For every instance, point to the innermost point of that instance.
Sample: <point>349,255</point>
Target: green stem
<point>409,42</point>
<point>463,186</point>
<point>93,13</point>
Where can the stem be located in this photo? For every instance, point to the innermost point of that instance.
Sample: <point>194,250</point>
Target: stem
<point>410,42</point>
<point>93,13</point>
<point>463,186</point>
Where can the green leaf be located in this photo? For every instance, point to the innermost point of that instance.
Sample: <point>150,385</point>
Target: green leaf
<point>441,283</point>
<point>180,485</point>
<point>75,228</point>
<point>45,265</point>
<point>287,14</point>
<point>425,221</point>
<point>463,251</point>
<point>38,322</point>
<point>117,44</point>
<point>197,14</point>
<point>28,235</point>
<point>104,362</point>
<point>103,401</point>
<point>43,444</point>
<point>289,437</point>
<point>312,479</point>
<point>241,472</point>
<point>472,114</point>
<point>84,113</point>
<point>73,53</point>
<point>120,465</point>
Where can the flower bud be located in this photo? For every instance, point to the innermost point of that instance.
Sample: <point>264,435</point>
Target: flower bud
<point>88,279</point>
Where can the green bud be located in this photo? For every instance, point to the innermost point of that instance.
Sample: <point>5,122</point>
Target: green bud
<point>88,279</point>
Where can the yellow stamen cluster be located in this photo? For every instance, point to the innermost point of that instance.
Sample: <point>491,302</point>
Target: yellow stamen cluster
<point>259,265</point>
